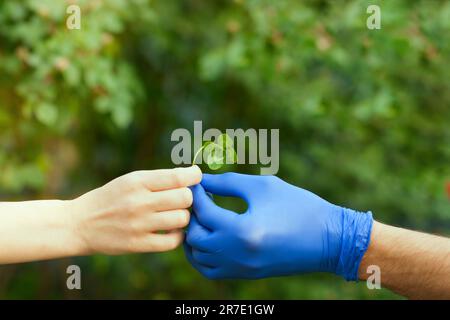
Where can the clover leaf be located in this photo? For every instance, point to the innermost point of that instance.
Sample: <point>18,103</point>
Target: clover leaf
<point>218,153</point>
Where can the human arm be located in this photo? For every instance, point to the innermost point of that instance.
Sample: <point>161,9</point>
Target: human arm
<point>285,230</point>
<point>288,230</point>
<point>126,215</point>
<point>413,264</point>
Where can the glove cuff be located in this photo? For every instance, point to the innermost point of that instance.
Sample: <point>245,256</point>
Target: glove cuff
<point>356,231</point>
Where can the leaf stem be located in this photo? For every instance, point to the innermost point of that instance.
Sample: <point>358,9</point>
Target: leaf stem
<point>198,151</point>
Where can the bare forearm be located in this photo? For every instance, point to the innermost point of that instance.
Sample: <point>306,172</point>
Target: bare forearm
<point>413,264</point>
<point>126,215</point>
<point>36,230</point>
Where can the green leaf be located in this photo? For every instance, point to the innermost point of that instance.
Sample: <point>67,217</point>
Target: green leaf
<point>47,114</point>
<point>214,156</point>
<point>224,141</point>
<point>218,153</point>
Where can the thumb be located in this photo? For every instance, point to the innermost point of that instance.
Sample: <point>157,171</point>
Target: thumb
<point>229,184</point>
<point>207,212</point>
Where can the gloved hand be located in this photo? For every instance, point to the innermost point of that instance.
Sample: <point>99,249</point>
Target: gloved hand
<point>285,230</point>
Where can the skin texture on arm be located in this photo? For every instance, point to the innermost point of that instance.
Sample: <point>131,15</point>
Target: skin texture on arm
<point>413,264</point>
<point>34,230</point>
<point>126,215</point>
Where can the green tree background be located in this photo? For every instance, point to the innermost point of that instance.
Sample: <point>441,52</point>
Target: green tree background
<point>363,115</point>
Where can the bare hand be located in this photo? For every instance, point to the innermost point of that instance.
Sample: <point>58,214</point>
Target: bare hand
<point>129,213</point>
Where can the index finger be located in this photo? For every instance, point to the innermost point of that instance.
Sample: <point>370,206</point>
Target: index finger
<point>166,179</point>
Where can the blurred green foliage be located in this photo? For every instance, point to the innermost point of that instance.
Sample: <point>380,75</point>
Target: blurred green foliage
<point>363,115</point>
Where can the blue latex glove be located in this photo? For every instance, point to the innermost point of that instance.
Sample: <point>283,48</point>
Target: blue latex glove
<point>285,230</point>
